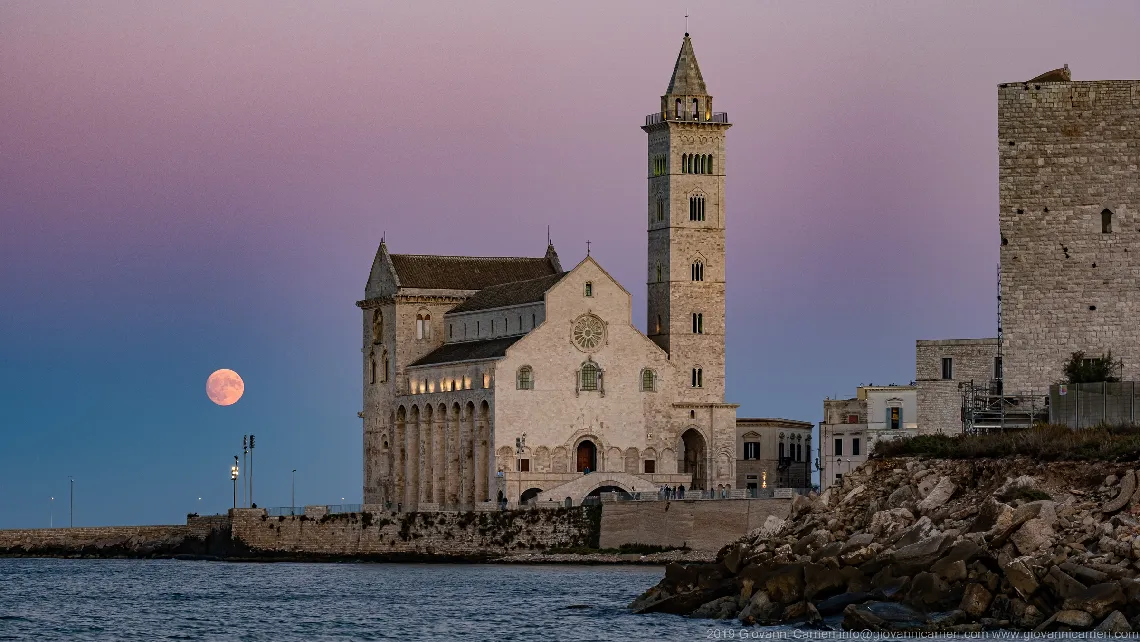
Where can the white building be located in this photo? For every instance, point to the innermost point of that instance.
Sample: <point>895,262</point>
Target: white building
<point>851,427</point>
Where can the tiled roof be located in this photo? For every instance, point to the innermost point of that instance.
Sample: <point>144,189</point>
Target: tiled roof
<point>517,293</point>
<point>468,351</point>
<point>466,272</point>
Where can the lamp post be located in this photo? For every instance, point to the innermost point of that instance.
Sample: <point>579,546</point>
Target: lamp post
<point>244,462</point>
<point>520,448</point>
<point>234,476</point>
<point>51,514</point>
<point>71,501</point>
<point>251,470</point>
<point>293,494</point>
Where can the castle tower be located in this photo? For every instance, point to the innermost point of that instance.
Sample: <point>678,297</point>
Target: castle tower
<point>686,230</point>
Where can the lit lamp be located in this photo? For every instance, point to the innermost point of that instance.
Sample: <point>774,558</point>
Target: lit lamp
<point>764,479</point>
<point>233,477</point>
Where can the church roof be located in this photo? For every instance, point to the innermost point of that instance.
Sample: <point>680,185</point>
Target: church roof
<point>687,79</point>
<point>468,272</point>
<point>516,293</point>
<point>468,351</point>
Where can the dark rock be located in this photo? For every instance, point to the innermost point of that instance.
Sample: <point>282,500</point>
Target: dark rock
<point>1062,584</point>
<point>1114,623</point>
<point>976,600</point>
<point>856,542</point>
<point>883,616</point>
<point>794,611</point>
<point>835,605</point>
<point>921,555</point>
<point>685,602</point>
<point>760,610</point>
<point>900,496</point>
<point>1021,578</point>
<point>927,590</point>
<point>732,559</point>
<point>821,582</point>
<point>1098,600</point>
<point>854,579</point>
<point>786,584</point>
<point>723,608</point>
<point>1084,573</point>
<point>830,550</point>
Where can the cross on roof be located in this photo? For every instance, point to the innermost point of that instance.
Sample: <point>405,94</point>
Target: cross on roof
<point>587,248</point>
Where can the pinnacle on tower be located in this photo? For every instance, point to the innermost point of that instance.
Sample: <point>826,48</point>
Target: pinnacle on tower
<point>687,79</point>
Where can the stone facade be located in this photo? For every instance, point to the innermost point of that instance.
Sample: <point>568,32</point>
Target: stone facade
<point>1069,197</point>
<point>852,427</point>
<point>773,453</point>
<point>972,362</point>
<point>499,379</point>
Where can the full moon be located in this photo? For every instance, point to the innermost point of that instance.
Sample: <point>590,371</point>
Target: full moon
<point>224,387</point>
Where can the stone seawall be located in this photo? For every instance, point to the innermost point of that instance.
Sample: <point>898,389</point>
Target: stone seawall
<point>200,536</point>
<point>699,525</point>
<point>472,536</point>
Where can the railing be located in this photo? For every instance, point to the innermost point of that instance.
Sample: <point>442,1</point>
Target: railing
<point>285,511</point>
<point>345,508</point>
<point>718,117</point>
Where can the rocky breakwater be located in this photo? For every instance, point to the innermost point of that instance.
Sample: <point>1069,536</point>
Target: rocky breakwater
<point>937,545</point>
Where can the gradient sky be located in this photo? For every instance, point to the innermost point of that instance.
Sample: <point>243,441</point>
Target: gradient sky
<point>193,186</point>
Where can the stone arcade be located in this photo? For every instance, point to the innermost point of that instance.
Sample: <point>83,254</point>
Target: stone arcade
<point>509,378</point>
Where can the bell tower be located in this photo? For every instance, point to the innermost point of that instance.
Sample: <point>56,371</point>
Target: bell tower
<point>686,230</point>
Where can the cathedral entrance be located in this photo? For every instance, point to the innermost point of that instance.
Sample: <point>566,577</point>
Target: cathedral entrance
<point>587,456</point>
<point>694,458</point>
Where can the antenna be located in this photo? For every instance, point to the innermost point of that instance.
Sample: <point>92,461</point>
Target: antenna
<point>548,235</point>
<point>686,23</point>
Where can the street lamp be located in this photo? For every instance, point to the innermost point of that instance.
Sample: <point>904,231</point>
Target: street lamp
<point>233,477</point>
<point>51,514</point>
<point>520,448</point>
<point>293,494</point>
<point>71,501</point>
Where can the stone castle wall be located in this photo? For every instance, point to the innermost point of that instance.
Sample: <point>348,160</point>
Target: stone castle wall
<point>1066,152</point>
<point>473,535</point>
<point>939,401</point>
<point>700,525</point>
<point>109,540</point>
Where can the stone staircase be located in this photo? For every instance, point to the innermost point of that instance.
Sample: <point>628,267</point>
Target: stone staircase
<point>579,488</point>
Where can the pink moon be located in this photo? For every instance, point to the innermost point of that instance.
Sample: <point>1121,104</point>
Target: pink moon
<point>224,387</point>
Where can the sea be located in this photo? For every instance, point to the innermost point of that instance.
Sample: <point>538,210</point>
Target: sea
<point>52,599</point>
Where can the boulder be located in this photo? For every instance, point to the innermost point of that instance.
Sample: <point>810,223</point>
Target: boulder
<point>1084,574</point>
<point>886,522</point>
<point>951,571</point>
<point>1075,619</point>
<point>1127,487</point>
<point>1012,485</point>
<point>759,610</point>
<point>1062,584</point>
<point>723,608</point>
<point>733,557</point>
<point>786,584</point>
<point>855,492</point>
<point>768,529</point>
<point>1033,535</point>
<point>991,514</point>
<point>900,496</point>
<point>1044,510</point>
<point>919,531</point>
<point>925,485</point>
<point>1021,578</point>
<point>883,616</point>
<point>855,542</point>
<point>830,550</point>
<point>924,553</point>
<point>929,591</point>
<point>835,605</point>
<point>821,582</point>
<point>1114,623</point>
<point>1098,600</point>
<point>976,600</point>
<point>811,541</point>
<point>938,496</point>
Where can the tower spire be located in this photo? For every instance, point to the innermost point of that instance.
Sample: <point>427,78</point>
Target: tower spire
<point>687,79</point>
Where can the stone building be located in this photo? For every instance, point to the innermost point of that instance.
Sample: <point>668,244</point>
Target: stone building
<point>851,427</point>
<point>773,453</point>
<point>1068,200</point>
<point>509,378</point>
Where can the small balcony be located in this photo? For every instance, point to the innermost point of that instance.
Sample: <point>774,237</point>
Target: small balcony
<point>715,118</point>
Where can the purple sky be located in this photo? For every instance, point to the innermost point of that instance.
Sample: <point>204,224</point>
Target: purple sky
<point>186,187</point>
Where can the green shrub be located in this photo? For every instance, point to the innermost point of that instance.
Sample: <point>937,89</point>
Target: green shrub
<point>1081,369</point>
<point>1044,442</point>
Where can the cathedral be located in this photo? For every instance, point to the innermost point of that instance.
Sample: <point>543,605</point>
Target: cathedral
<point>491,379</point>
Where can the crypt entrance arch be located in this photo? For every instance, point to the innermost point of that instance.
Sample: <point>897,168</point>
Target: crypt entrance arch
<point>694,458</point>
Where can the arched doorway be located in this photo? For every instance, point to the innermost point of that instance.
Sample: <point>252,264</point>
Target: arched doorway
<point>587,456</point>
<point>694,457</point>
<point>529,494</point>
<point>610,489</point>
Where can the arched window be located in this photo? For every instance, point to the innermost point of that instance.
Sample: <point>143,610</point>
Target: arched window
<point>377,326</point>
<point>588,376</point>
<point>371,367</point>
<point>1106,222</point>
<point>659,274</point>
<point>698,270</point>
<point>589,288</point>
<point>657,328</point>
<point>704,166</point>
<point>696,109</point>
<point>525,378</point>
<point>677,110</point>
<point>697,208</point>
<point>710,163</point>
<point>384,367</point>
<point>648,380</point>
<point>660,209</point>
<point>450,330</point>
<point>684,163</point>
<point>698,323</point>
<point>698,378</point>
<point>419,326</point>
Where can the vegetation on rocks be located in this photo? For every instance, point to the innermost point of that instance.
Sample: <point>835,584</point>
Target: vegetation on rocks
<point>910,544</point>
<point>1044,442</point>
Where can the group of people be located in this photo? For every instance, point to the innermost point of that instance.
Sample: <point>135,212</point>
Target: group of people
<point>675,492</point>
